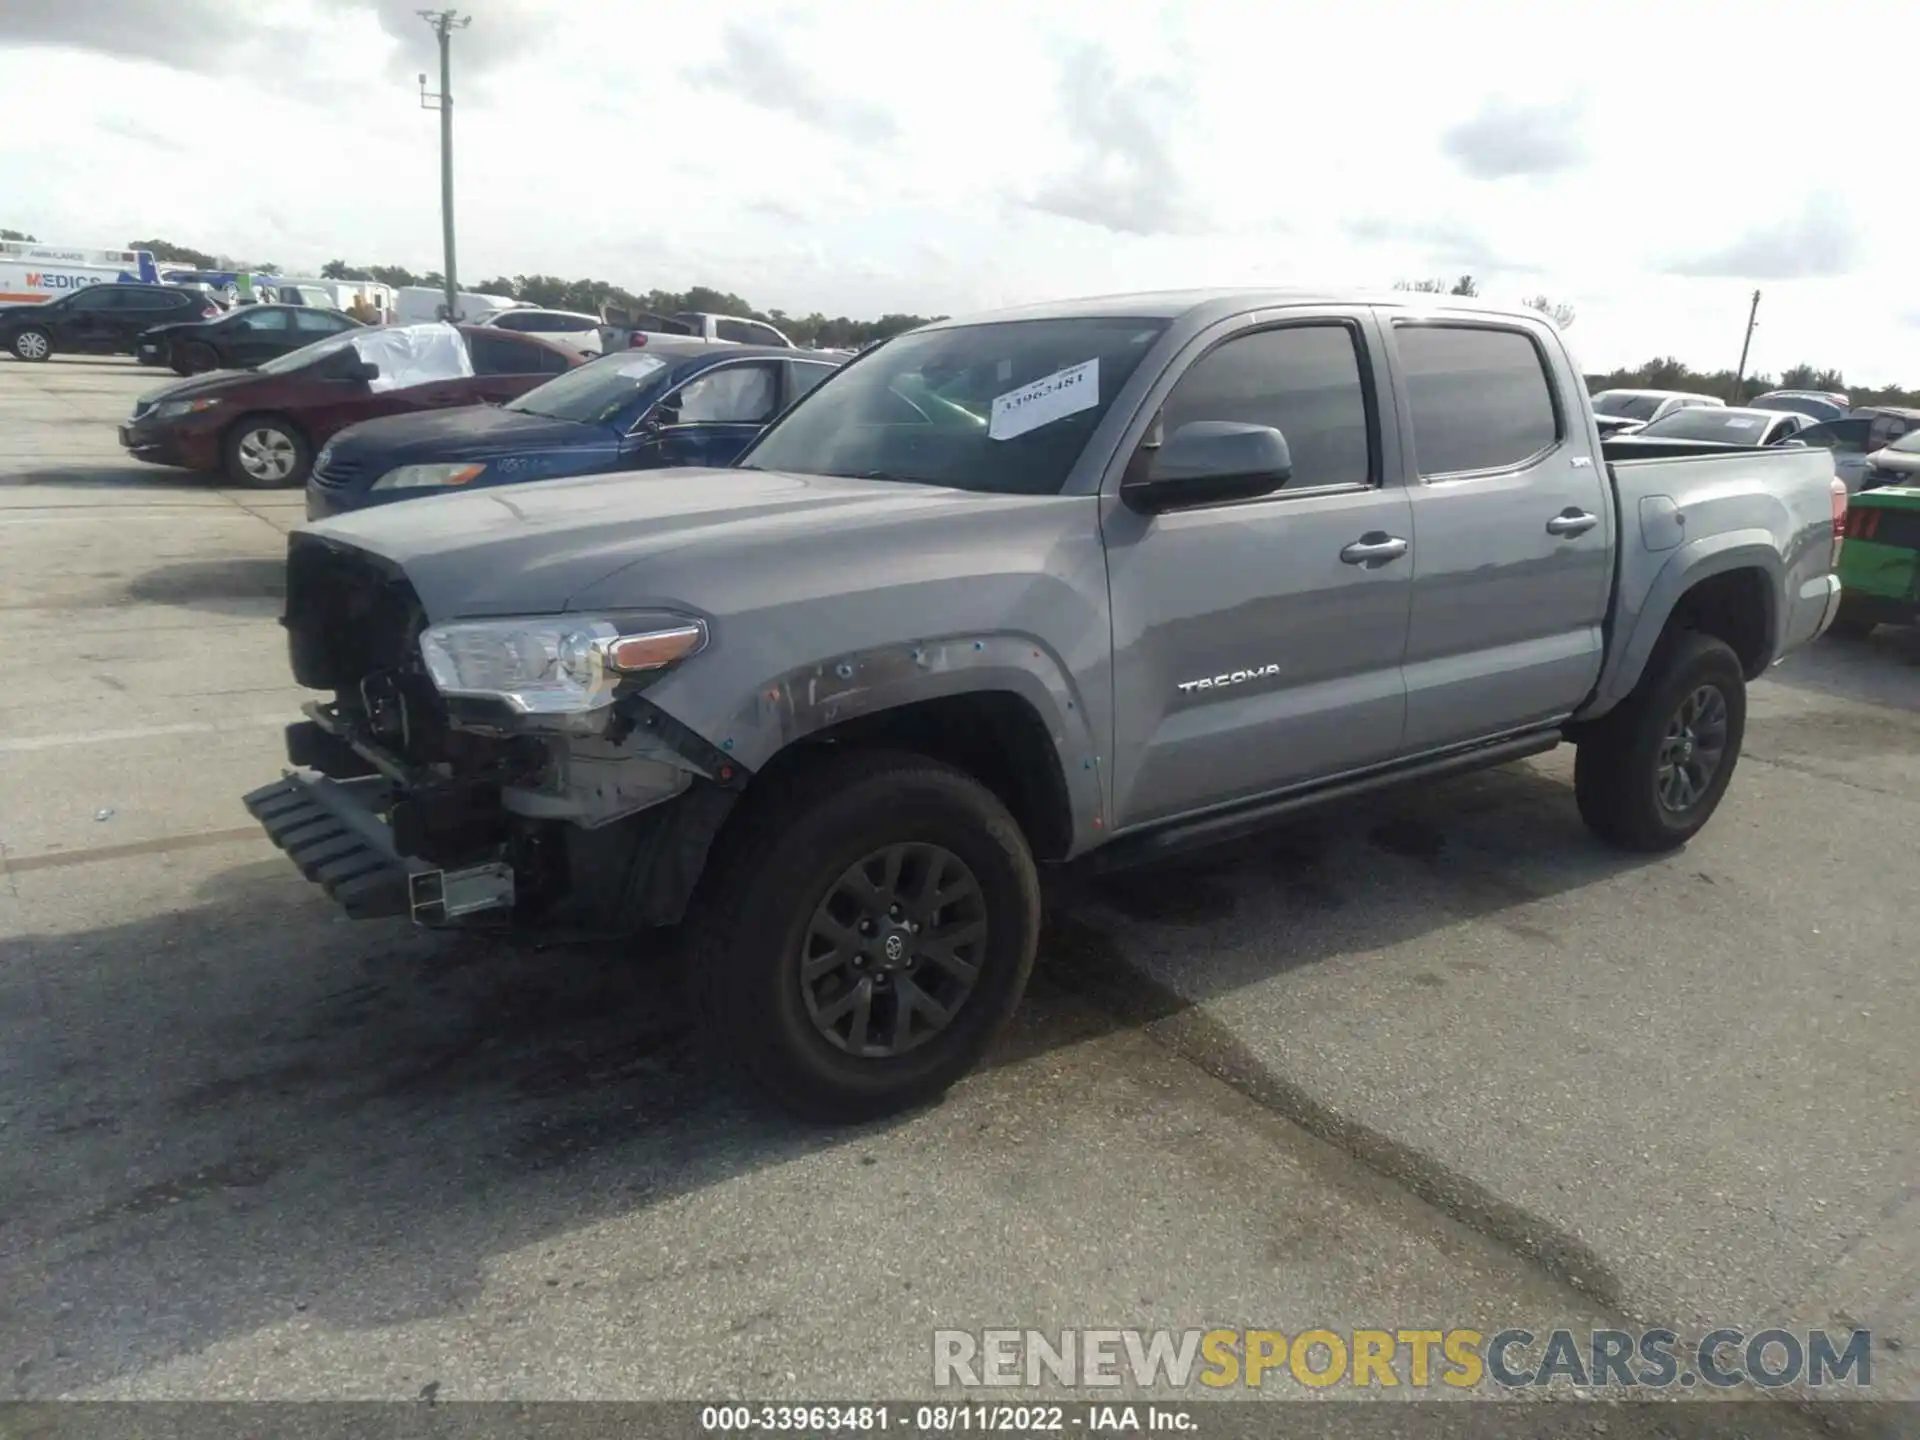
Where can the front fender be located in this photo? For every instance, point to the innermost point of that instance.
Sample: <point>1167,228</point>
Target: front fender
<point>1639,624</point>
<point>812,697</point>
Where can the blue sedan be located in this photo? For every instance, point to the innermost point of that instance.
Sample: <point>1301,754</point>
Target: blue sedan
<point>680,402</point>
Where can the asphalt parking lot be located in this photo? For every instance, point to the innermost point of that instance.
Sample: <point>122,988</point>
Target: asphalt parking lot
<point>1444,1060</point>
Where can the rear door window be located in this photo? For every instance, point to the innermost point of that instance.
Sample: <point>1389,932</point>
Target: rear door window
<point>1480,395</point>
<point>510,355</point>
<point>805,374</point>
<point>736,330</point>
<point>318,322</point>
<point>1843,437</point>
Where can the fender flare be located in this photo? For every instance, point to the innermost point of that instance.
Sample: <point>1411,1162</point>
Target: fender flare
<point>1637,631</point>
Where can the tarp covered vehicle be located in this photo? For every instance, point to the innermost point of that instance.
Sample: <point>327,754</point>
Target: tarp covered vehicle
<point>1880,560</point>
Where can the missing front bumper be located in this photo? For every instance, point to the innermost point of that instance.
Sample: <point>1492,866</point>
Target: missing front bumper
<point>333,831</point>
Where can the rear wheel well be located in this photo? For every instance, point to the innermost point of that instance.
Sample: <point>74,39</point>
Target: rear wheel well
<point>1733,606</point>
<point>995,736</point>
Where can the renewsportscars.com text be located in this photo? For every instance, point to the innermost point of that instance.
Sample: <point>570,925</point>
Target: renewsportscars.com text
<point>1378,1359</point>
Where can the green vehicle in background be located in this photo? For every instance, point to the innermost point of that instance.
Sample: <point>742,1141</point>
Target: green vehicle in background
<point>1880,560</point>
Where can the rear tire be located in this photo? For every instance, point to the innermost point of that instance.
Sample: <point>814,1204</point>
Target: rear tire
<point>1650,773</point>
<point>780,946</point>
<point>265,452</point>
<point>31,344</point>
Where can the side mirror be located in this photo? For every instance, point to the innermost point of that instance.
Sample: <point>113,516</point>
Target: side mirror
<point>1209,461</point>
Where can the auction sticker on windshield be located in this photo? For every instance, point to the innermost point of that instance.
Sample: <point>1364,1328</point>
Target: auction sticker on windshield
<point>1051,397</point>
<point>641,367</point>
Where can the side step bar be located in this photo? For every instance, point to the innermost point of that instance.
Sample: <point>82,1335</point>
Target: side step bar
<point>330,830</point>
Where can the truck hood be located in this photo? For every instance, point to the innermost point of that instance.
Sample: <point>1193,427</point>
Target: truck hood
<point>561,544</point>
<point>470,432</point>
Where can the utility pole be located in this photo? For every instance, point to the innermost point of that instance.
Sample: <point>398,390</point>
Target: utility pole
<point>1739,379</point>
<point>444,23</point>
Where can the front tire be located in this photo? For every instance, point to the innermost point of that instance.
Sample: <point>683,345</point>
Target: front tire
<point>265,452</point>
<point>866,927</point>
<point>1651,772</point>
<point>31,344</point>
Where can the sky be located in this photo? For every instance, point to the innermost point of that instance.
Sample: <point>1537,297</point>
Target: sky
<point>1650,164</point>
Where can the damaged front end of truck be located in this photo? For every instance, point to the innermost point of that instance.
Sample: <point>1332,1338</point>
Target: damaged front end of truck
<point>488,769</point>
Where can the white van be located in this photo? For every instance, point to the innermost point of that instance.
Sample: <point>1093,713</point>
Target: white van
<point>416,304</point>
<point>31,272</point>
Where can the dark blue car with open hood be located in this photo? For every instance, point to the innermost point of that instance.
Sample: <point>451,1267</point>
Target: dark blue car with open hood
<point>686,402</point>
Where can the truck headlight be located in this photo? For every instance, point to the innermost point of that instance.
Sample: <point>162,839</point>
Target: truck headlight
<point>428,477</point>
<point>553,665</point>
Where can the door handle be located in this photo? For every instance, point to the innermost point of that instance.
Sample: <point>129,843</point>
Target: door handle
<point>1374,548</point>
<point>1569,523</point>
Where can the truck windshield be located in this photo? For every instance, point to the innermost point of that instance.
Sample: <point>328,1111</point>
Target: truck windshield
<point>1626,405</point>
<point>1004,407</point>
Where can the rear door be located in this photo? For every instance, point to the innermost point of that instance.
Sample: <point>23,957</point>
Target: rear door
<point>1257,643</point>
<point>714,416</point>
<point>142,307</point>
<point>1512,524</point>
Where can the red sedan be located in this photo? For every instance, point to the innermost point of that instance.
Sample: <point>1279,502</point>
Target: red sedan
<point>262,427</point>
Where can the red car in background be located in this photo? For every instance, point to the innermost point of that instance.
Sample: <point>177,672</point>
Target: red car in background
<point>262,427</point>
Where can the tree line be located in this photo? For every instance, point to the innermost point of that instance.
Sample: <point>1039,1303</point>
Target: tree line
<point>589,297</point>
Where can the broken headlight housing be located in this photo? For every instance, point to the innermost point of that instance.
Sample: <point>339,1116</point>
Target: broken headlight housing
<point>554,664</point>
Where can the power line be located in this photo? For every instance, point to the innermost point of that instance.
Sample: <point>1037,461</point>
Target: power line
<point>444,23</point>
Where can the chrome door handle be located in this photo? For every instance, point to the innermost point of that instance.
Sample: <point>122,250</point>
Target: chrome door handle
<point>1374,549</point>
<point>1569,523</point>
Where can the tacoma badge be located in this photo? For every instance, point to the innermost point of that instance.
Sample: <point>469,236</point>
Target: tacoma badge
<point>1232,677</point>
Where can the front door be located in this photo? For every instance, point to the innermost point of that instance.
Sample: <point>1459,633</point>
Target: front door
<point>1513,531</point>
<point>87,321</point>
<point>714,416</point>
<point>257,334</point>
<point>1257,643</point>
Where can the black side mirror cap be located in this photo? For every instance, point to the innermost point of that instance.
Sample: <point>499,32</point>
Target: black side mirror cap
<point>1206,462</point>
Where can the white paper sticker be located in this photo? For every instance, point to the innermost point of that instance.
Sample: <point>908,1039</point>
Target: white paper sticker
<point>641,367</point>
<point>1052,397</point>
<point>1742,423</point>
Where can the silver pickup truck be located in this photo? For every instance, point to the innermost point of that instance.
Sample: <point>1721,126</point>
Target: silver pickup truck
<point>1087,582</point>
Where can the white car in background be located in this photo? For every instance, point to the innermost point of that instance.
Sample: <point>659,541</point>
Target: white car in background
<point>1622,412</point>
<point>568,328</point>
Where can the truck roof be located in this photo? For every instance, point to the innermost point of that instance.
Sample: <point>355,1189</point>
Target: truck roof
<point>1207,305</point>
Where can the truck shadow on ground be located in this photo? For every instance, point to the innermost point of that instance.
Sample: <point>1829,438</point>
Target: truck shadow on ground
<point>233,586</point>
<point>249,1107</point>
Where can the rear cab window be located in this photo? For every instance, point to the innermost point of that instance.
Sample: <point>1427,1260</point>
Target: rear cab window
<point>1482,397</point>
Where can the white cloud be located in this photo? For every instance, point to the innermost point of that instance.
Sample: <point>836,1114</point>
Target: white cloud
<point>866,157</point>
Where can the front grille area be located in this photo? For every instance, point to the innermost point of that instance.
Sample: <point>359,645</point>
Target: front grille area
<point>349,614</point>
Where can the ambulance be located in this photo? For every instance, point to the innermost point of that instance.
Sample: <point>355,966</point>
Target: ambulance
<point>30,271</point>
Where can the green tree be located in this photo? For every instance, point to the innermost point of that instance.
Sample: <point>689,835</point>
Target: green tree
<point>19,235</point>
<point>168,253</point>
